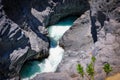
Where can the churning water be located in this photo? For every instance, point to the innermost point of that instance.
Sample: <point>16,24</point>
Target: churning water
<point>30,69</point>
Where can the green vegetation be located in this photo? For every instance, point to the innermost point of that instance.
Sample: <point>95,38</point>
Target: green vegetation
<point>80,70</point>
<point>93,59</point>
<point>90,68</point>
<point>107,68</point>
<point>90,71</point>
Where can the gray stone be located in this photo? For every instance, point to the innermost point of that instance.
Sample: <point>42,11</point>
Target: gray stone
<point>18,45</point>
<point>105,33</point>
<point>78,37</point>
<point>106,13</point>
<point>56,76</point>
<point>77,42</point>
<point>22,29</point>
<point>23,35</point>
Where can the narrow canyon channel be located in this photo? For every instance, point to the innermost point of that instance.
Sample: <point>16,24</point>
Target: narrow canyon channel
<point>30,69</point>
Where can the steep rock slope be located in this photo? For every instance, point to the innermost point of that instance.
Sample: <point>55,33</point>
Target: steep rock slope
<point>18,45</point>
<point>77,42</point>
<point>104,20</point>
<point>23,32</point>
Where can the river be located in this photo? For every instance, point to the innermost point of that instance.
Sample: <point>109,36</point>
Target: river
<point>30,69</point>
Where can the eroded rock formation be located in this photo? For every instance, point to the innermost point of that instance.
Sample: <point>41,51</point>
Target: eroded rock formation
<point>23,35</point>
<point>18,45</point>
<point>104,21</point>
<point>77,43</point>
<point>107,16</point>
<point>23,32</point>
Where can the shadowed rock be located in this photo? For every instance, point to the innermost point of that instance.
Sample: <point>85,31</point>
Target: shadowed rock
<point>23,32</point>
<point>23,35</point>
<point>18,45</point>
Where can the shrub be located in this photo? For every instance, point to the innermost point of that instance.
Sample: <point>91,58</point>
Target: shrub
<point>107,68</point>
<point>80,70</point>
<point>90,69</point>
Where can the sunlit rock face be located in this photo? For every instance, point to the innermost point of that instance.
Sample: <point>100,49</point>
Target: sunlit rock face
<point>104,23</point>
<point>78,45</point>
<point>106,19</point>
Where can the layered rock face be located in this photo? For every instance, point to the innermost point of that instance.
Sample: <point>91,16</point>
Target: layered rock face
<point>23,33</point>
<point>18,45</point>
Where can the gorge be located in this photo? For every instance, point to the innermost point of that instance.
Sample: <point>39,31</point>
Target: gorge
<point>55,32</point>
<point>27,31</point>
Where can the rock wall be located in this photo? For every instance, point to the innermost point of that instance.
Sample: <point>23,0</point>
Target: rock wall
<point>18,45</point>
<point>106,19</point>
<point>37,13</point>
<point>104,22</point>
<point>66,8</point>
<point>23,35</point>
<point>77,42</point>
<point>23,29</point>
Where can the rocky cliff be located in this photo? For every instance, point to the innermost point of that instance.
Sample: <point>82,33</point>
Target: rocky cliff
<point>106,18</point>
<point>17,44</point>
<point>23,29</point>
<point>23,35</point>
<point>103,19</point>
<point>94,33</point>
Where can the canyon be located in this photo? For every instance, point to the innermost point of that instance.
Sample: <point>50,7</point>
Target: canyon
<point>24,36</point>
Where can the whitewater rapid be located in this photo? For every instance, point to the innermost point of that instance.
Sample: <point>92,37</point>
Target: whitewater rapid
<point>50,64</point>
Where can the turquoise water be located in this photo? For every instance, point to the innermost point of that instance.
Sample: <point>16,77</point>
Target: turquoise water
<point>30,69</point>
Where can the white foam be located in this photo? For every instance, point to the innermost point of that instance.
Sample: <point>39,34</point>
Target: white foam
<point>56,31</point>
<point>50,64</point>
